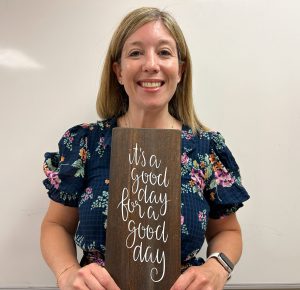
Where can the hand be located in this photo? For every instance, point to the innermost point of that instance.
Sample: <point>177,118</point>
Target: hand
<point>209,276</point>
<point>90,277</point>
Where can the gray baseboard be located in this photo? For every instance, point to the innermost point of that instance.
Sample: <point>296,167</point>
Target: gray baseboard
<point>233,286</point>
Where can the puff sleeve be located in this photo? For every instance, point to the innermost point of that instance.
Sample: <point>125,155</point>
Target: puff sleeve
<point>65,169</point>
<point>224,190</point>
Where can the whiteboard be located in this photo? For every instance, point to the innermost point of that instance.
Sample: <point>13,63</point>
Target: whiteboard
<point>246,66</point>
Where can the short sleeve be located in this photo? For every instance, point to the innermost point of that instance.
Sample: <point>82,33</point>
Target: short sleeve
<point>224,190</point>
<point>65,169</point>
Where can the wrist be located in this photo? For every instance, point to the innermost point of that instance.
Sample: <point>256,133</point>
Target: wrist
<point>63,274</point>
<point>223,260</point>
<point>218,269</point>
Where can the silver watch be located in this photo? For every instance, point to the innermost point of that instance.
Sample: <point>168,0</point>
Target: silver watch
<point>224,261</point>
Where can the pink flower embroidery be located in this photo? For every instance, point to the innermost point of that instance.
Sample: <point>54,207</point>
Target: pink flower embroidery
<point>88,190</point>
<point>184,158</point>
<point>201,216</point>
<point>224,178</point>
<point>53,178</point>
<point>182,220</point>
<point>88,194</point>
<point>67,134</point>
<point>198,177</point>
<point>187,135</point>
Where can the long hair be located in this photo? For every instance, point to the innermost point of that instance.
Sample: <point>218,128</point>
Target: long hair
<point>112,100</point>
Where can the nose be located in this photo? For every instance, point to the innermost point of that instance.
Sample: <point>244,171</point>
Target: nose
<point>151,64</point>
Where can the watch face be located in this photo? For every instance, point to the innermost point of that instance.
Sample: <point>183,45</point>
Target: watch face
<point>227,261</point>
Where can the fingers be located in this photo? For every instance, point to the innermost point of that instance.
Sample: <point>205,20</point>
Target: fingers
<point>194,278</point>
<point>103,277</point>
<point>94,277</point>
<point>78,284</point>
<point>85,280</point>
<point>199,277</point>
<point>184,280</point>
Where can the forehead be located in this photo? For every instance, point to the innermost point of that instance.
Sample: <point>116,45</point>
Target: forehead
<point>154,31</point>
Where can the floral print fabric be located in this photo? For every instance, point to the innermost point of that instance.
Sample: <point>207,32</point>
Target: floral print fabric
<point>78,176</point>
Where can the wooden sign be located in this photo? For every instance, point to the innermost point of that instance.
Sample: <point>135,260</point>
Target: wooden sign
<point>143,228</point>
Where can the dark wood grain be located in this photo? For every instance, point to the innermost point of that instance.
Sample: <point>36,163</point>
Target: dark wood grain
<point>149,225</point>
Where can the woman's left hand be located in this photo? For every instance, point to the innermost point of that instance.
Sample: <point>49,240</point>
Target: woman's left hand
<point>209,276</point>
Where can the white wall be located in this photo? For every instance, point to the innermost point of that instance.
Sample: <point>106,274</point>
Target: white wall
<point>246,85</point>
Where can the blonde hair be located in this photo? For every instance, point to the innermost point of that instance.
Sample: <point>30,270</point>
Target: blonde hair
<point>112,100</point>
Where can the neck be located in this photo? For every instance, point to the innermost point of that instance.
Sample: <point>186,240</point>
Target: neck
<point>155,120</point>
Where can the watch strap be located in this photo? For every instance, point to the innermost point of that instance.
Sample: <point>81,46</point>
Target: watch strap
<point>224,261</point>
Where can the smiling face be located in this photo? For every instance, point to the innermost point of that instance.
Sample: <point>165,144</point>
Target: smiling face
<point>149,68</point>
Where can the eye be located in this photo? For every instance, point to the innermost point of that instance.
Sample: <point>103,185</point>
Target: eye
<point>135,53</point>
<point>165,52</point>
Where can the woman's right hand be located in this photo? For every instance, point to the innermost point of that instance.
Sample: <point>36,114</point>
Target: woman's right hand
<point>90,277</point>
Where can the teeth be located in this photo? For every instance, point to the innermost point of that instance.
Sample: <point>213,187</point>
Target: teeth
<point>151,84</point>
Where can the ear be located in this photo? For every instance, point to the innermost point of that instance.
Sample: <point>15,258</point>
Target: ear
<point>180,71</point>
<point>117,70</point>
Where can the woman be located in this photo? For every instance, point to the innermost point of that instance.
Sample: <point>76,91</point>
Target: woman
<point>146,83</point>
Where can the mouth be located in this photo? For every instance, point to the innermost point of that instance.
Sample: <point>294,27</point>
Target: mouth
<point>151,84</point>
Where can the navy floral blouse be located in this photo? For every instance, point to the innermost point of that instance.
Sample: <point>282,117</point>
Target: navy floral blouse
<point>78,176</point>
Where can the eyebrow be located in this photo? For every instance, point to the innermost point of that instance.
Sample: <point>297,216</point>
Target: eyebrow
<point>161,42</point>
